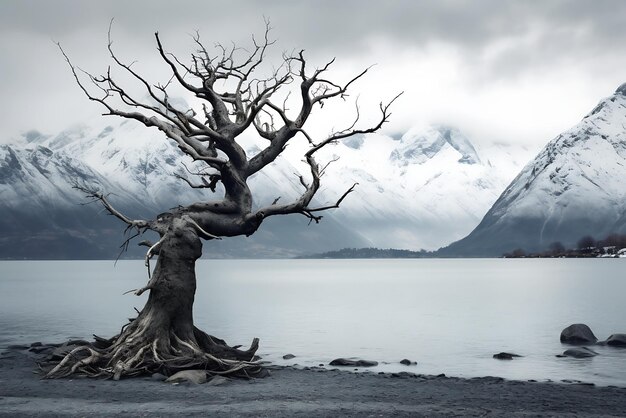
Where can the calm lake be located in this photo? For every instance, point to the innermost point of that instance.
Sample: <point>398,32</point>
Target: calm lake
<point>450,316</point>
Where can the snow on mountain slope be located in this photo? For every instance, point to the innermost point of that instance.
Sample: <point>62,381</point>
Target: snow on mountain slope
<point>423,191</point>
<point>418,146</point>
<point>427,189</point>
<point>136,166</point>
<point>574,187</point>
<point>40,211</point>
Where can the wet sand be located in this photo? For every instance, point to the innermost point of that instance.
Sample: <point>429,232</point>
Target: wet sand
<point>297,392</point>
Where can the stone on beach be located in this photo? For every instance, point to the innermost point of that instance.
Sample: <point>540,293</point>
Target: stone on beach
<point>505,356</point>
<point>616,340</point>
<point>288,356</point>
<point>17,347</point>
<point>408,362</point>
<point>353,362</point>
<point>578,334</point>
<point>578,352</point>
<point>218,381</point>
<point>194,376</point>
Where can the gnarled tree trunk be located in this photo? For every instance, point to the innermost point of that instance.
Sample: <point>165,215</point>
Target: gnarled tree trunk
<point>163,337</point>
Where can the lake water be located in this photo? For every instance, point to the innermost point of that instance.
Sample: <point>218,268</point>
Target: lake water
<point>450,316</point>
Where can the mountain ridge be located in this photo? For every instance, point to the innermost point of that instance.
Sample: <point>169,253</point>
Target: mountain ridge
<point>570,189</point>
<point>394,205</point>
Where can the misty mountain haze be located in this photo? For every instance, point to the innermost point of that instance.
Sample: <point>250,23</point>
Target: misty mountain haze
<point>423,190</point>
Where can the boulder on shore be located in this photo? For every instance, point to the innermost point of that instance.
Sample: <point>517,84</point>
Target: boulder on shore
<point>353,362</point>
<point>194,376</point>
<point>218,381</point>
<point>578,352</point>
<point>408,362</point>
<point>505,356</point>
<point>616,340</point>
<point>578,334</point>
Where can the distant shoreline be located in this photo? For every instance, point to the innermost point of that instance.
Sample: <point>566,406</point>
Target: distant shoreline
<point>290,391</point>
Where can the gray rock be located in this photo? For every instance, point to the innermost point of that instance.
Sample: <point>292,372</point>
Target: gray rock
<point>288,356</point>
<point>353,362</point>
<point>505,356</point>
<point>578,352</point>
<point>194,376</point>
<point>616,340</point>
<point>218,381</point>
<point>158,377</point>
<point>45,349</point>
<point>17,347</point>
<point>578,334</point>
<point>408,362</point>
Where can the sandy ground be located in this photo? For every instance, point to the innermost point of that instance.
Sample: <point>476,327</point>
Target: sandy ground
<point>292,392</point>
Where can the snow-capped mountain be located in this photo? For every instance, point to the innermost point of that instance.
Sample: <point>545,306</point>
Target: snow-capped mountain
<point>423,190</point>
<point>419,146</point>
<point>427,189</point>
<point>574,187</point>
<point>40,214</point>
<point>41,211</point>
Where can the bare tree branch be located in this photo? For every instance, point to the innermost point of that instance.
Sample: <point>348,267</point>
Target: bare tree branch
<point>139,224</point>
<point>242,100</point>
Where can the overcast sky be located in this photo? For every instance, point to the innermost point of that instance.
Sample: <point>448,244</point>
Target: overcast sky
<point>514,71</point>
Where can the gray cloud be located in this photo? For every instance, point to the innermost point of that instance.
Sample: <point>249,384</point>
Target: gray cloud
<point>493,41</point>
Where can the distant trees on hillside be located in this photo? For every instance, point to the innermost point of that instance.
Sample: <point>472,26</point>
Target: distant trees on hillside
<point>371,253</point>
<point>586,246</point>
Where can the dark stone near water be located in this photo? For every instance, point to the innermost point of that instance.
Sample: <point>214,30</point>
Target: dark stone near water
<point>37,344</point>
<point>17,347</point>
<point>403,375</point>
<point>578,352</point>
<point>158,377</point>
<point>42,349</point>
<point>218,381</point>
<point>578,334</point>
<point>408,362</point>
<point>353,362</point>
<point>616,340</point>
<point>505,356</point>
<point>288,356</point>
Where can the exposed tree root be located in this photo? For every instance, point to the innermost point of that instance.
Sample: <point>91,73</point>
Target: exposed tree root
<point>139,350</point>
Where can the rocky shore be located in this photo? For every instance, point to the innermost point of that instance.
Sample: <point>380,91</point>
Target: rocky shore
<point>296,392</point>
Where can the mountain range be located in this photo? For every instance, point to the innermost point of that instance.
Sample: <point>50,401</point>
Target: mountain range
<point>419,190</point>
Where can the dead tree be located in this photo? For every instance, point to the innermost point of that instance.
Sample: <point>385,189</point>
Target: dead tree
<point>163,337</point>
